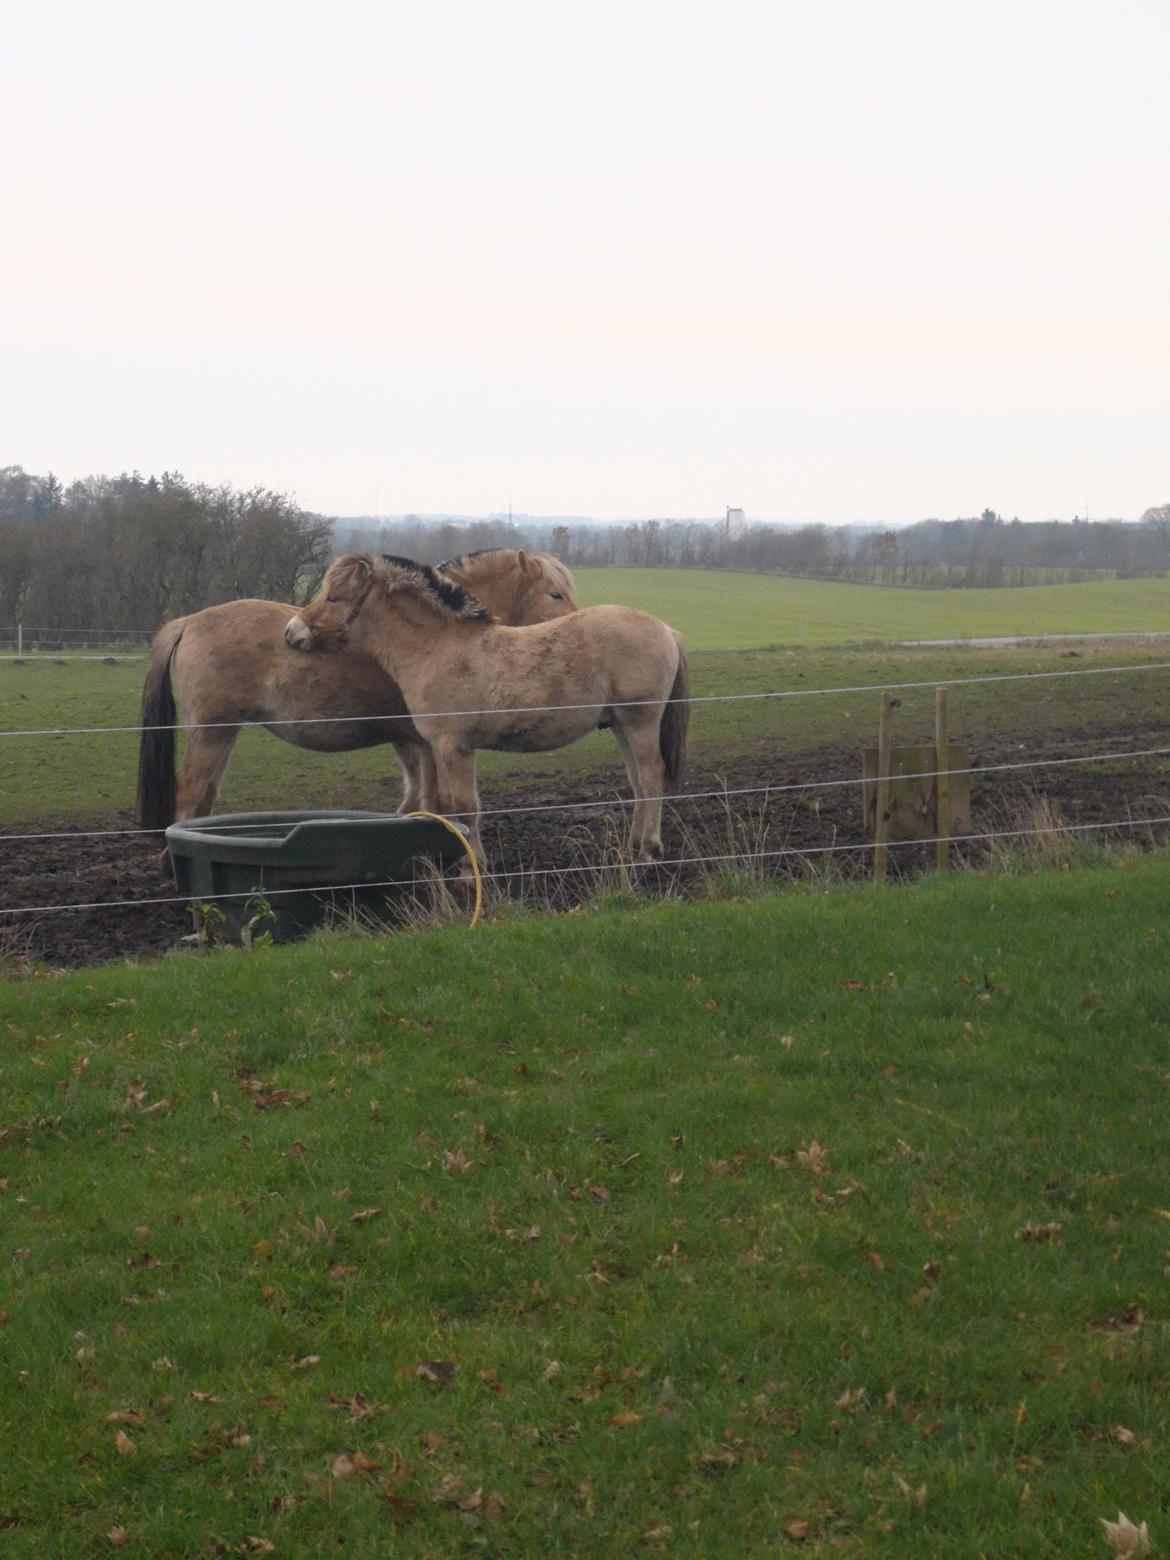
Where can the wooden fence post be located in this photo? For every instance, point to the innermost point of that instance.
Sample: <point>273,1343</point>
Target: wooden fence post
<point>20,639</point>
<point>882,808</point>
<point>942,779</point>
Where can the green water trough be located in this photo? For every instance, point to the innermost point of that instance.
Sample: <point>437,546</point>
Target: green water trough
<point>287,872</point>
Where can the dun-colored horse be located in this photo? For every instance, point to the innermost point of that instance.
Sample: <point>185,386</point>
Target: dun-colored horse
<point>231,664</point>
<point>470,682</point>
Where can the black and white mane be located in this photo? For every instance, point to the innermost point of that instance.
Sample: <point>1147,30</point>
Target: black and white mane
<point>421,580</point>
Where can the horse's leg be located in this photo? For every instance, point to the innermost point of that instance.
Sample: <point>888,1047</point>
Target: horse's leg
<point>636,821</point>
<point>455,789</point>
<point>197,782</point>
<point>428,779</point>
<point>201,771</point>
<point>418,770</point>
<point>641,734</point>
<point>409,756</point>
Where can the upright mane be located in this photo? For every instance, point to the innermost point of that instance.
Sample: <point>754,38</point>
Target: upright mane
<point>488,562</point>
<point>420,580</point>
<point>502,562</point>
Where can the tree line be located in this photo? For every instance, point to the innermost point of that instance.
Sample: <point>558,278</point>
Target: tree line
<point>128,552</point>
<point>982,551</point>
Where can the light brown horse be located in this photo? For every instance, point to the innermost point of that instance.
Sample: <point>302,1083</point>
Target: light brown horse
<point>470,682</point>
<point>231,664</point>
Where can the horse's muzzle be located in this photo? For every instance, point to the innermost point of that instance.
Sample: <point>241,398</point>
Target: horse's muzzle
<point>298,634</point>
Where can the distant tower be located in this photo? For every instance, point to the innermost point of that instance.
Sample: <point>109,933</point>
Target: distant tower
<point>736,525</point>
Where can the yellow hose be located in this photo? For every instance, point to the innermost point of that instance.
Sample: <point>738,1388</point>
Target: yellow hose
<point>466,843</point>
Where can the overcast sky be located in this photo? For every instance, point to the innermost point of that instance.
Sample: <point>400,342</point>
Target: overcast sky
<point>830,261</point>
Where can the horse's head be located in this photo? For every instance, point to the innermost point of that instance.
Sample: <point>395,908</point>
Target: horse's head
<point>547,589</point>
<point>519,587</point>
<point>348,581</point>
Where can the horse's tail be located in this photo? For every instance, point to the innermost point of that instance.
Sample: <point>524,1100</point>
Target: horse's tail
<point>676,717</point>
<point>156,747</point>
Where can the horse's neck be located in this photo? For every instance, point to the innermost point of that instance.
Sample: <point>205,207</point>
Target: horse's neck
<point>406,636</point>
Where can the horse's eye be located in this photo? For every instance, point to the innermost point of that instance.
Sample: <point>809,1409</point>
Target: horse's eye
<point>332,600</point>
<point>556,596</point>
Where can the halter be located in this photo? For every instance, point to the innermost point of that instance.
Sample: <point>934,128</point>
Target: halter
<point>358,604</point>
<point>354,610</point>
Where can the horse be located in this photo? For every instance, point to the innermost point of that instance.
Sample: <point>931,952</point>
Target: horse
<point>231,664</point>
<point>470,682</point>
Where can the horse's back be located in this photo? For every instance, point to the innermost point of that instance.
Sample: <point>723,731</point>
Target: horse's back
<point>233,663</point>
<point>628,629</point>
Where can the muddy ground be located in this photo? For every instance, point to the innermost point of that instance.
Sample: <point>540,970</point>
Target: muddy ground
<point>79,870</point>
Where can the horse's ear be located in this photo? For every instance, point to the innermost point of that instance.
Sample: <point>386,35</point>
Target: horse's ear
<point>528,565</point>
<point>353,569</point>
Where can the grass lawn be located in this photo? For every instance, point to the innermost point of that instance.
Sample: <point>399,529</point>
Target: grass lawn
<point>823,1221</point>
<point>715,609</point>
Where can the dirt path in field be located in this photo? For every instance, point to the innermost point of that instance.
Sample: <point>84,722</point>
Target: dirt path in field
<point>58,872</point>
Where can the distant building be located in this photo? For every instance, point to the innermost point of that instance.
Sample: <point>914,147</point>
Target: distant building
<point>736,525</point>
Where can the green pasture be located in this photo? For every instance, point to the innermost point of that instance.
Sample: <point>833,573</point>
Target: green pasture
<point>715,609</point>
<point>84,777</point>
<point>812,1223</point>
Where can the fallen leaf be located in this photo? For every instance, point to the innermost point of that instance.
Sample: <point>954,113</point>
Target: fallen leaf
<point>124,1444</point>
<point>117,1535</point>
<point>1040,1233</point>
<point>449,1492</point>
<point>306,1362</point>
<point>797,1529</point>
<point>1124,1539</point>
<point>357,1407</point>
<point>363,1215</point>
<point>625,1419</point>
<point>403,1511</point>
<point>441,1372</point>
<point>815,1157</point>
<point>1130,1320</point>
